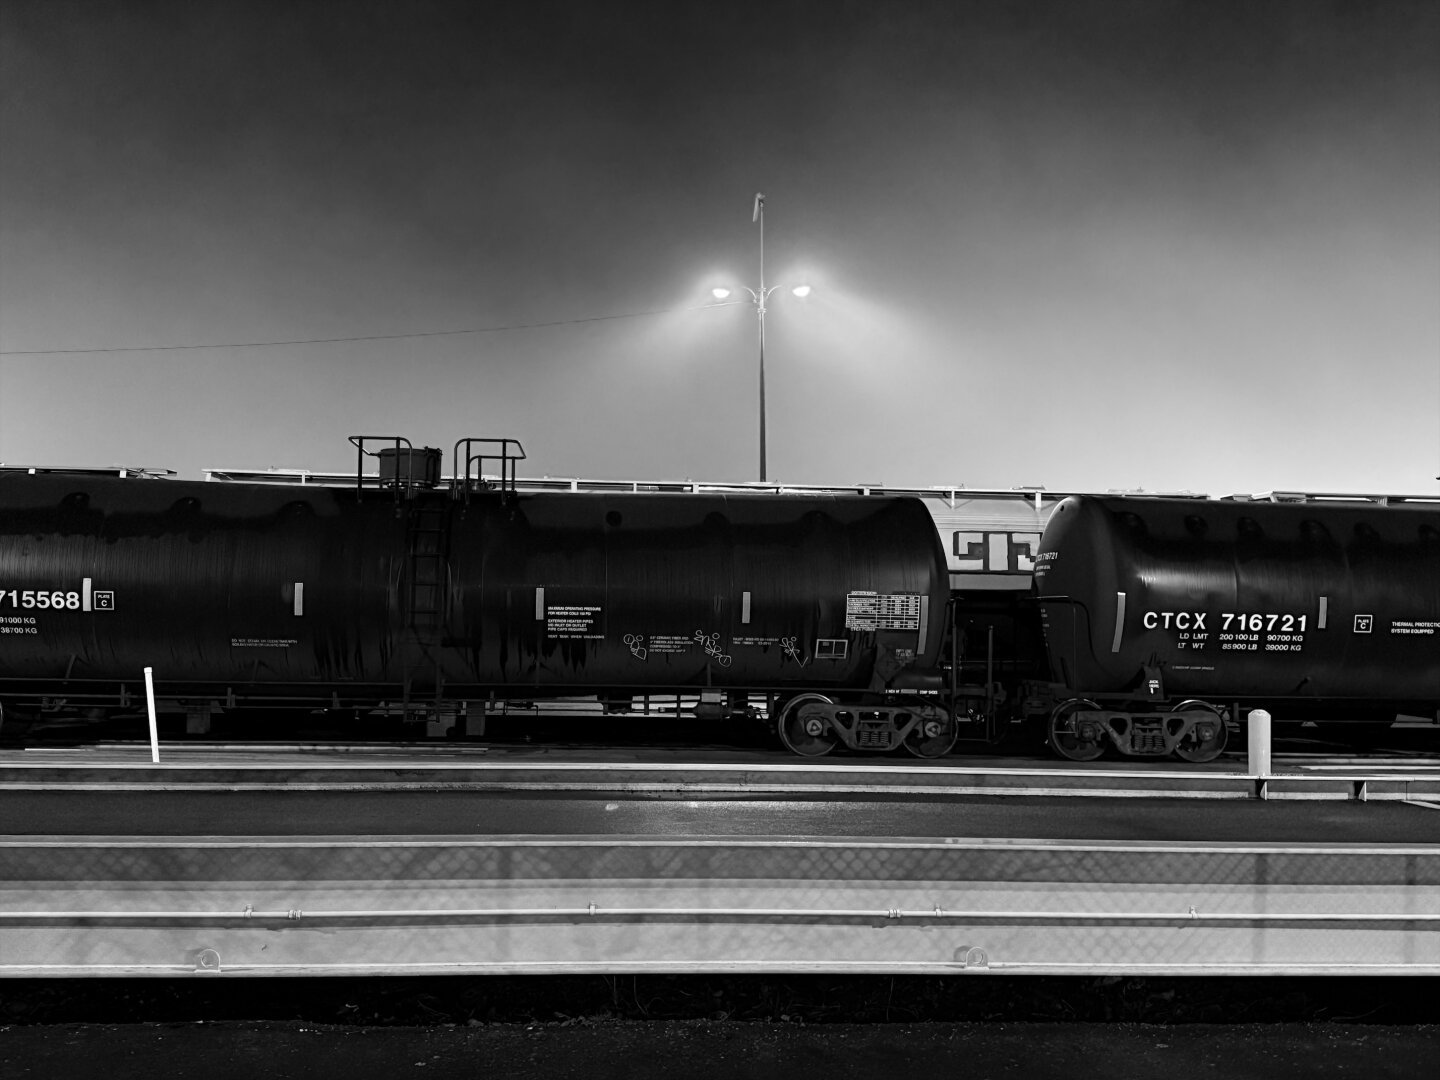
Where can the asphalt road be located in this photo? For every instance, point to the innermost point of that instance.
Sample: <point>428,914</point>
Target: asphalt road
<point>470,813</point>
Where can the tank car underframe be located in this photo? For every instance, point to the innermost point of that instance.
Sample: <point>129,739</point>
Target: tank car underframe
<point>1081,728</point>
<point>813,724</point>
<point>809,720</point>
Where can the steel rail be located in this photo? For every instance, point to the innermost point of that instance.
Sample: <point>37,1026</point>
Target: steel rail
<point>737,788</point>
<point>597,911</point>
<point>482,762</point>
<point>1243,789</point>
<point>947,843</point>
<point>214,969</point>
<point>495,756</point>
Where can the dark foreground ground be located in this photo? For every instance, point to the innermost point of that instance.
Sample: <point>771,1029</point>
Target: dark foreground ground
<point>722,1050</point>
<point>699,1027</point>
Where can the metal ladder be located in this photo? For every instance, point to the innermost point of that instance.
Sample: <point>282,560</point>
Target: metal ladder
<point>427,562</point>
<point>427,557</point>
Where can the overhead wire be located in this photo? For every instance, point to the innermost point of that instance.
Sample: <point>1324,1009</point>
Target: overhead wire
<point>363,337</point>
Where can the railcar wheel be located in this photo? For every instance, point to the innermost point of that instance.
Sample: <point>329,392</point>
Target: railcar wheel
<point>934,736</point>
<point>803,729</point>
<point>1071,739</point>
<point>1195,749</point>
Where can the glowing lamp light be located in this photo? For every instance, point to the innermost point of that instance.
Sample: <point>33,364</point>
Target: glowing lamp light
<point>720,293</point>
<point>801,291</point>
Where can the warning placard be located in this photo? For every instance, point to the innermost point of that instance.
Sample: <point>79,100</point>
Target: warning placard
<point>573,622</point>
<point>882,611</point>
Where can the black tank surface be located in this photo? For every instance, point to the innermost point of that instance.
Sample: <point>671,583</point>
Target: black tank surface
<point>1227,600</point>
<point>316,592</point>
<point>619,590</point>
<point>219,584</point>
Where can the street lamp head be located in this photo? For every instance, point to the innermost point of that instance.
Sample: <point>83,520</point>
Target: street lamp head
<point>801,291</point>
<point>720,292</point>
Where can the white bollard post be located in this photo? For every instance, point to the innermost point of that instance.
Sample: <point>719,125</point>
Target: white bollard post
<point>1258,732</point>
<point>154,731</point>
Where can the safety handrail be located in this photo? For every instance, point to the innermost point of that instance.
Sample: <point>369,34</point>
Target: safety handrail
<point>467,469</point>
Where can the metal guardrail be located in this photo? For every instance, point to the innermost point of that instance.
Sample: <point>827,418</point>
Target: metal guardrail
<point>595,911</point>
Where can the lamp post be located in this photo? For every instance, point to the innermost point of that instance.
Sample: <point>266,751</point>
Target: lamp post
<point>759,297</point>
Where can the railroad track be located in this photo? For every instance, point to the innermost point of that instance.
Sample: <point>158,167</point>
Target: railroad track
<point>320,767</point>
<point>283,860</point>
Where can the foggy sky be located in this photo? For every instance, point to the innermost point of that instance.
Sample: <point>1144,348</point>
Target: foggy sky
<point>1178,246</point>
